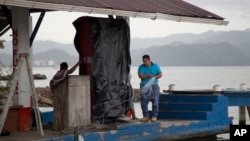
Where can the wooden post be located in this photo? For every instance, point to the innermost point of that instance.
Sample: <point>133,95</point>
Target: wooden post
<point>248,110</point>
<point>242,109</point>
<point>247,107</point>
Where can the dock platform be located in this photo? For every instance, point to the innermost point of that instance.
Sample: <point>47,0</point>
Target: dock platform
<point>132,130</point>
<point>181,116</point>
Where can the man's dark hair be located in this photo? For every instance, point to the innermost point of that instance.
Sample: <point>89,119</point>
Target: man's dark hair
<point>63,65</point>
<point>146,57</point>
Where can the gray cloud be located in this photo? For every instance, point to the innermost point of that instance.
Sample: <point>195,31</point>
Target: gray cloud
<point>228,8</point>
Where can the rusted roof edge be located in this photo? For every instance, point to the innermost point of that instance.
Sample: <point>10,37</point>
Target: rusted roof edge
<point>92,10</point>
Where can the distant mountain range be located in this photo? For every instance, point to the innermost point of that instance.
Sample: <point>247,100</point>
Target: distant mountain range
<point>231,48</point>
<point>221,48</point>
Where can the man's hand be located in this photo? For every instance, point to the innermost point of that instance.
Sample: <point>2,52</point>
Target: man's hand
<point>150,76</point>
<point>144,76</point>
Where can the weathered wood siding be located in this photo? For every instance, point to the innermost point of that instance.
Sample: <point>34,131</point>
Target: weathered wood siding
<point>72,103</point>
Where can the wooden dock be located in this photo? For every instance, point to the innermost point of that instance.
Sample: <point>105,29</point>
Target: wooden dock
<point>133,130</point>
<point>181,116</point>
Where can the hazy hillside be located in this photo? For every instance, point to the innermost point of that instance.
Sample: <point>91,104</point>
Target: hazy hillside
<point>42,46</point>
<point>221,54</point>
<point>208,49</point>
<point>239,39</point>
<point>45,53</point>
<point>53,57</point>
<point>188,38</point>
<point>205,49</point>
<point>5,59</point>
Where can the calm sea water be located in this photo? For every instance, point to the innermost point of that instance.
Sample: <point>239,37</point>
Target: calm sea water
<point>184,78</point>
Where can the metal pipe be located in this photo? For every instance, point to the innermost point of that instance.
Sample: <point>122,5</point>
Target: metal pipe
<point>39,21</point>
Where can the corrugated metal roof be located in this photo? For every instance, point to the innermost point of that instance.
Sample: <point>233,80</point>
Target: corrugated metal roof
<point>177,10</point>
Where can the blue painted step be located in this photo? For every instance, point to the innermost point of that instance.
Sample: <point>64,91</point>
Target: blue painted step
<point>192,115</point>
<point>237,98</point>
<point>186,106</point>
<point>188,98</point>
<point>193,107</point>
<point>197,115</point>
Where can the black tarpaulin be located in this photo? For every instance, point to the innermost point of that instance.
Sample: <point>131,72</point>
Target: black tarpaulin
<point>110,63</point>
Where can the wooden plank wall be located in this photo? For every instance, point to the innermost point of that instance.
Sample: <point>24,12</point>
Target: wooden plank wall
<point>72,103</point>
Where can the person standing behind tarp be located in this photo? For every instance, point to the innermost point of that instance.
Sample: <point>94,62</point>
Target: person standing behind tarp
<point>149,73</point>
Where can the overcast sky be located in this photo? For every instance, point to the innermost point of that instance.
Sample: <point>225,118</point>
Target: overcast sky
<point>57,26</point>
